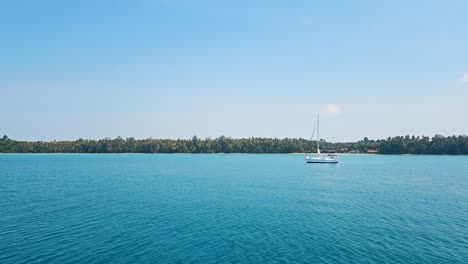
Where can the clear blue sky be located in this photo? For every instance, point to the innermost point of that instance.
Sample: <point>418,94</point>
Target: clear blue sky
<point>173,68</point>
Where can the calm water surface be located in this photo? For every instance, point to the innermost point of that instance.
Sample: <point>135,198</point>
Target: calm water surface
<point>232,209</point>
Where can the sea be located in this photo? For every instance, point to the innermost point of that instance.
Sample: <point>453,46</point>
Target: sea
<point>232,208</point>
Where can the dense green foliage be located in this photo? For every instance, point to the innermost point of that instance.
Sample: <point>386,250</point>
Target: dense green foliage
<point>453,145</point>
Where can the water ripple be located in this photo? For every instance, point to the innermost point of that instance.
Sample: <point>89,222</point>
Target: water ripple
<point>232,209</point>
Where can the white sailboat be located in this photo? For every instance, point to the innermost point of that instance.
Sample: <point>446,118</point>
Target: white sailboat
<point>319,158</point>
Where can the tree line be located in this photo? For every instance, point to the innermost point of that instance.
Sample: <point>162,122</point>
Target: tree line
<point>451,145</point>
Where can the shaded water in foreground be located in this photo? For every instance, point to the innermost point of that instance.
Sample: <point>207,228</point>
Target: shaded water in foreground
<point>232,209</point>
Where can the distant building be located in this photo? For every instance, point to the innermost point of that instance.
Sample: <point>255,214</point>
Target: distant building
<point>371,151</point>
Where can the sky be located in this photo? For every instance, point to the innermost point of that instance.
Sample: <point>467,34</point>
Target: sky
<point>174,69</point>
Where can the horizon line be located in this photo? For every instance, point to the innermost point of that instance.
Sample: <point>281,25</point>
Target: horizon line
<point>5,136</point>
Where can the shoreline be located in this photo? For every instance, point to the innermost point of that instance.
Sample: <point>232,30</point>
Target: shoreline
<point>232,153</point>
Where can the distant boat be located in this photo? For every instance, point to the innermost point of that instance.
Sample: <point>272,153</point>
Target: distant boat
<point>320,158</point>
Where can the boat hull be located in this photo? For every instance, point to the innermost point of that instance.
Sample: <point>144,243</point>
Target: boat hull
<point>321,161</point>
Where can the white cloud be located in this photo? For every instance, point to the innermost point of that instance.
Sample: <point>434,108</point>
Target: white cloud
<point>332,109</point>
<point>464,78</point>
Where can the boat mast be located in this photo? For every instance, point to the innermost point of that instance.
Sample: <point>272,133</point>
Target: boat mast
<point>312,139</point>
<point>318,138</point>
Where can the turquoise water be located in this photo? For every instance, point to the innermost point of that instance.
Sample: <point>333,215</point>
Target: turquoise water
<point>232,209</point>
